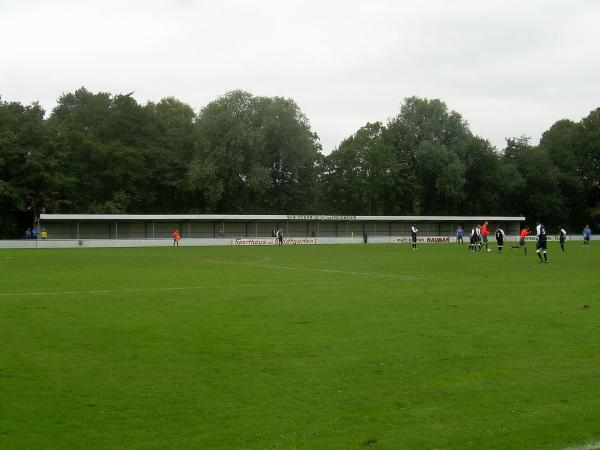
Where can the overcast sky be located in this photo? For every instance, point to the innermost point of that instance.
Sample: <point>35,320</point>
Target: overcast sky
<point>509,67</point>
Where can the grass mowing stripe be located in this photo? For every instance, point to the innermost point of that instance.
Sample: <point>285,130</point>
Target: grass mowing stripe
<point>266,260</point>
<point>177,288</point>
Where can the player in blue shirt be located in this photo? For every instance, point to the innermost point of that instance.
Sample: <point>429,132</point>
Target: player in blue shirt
<point>460,232</point>
<point>587,233</point>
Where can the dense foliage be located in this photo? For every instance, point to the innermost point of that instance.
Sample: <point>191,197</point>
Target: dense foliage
<point>103,153</point>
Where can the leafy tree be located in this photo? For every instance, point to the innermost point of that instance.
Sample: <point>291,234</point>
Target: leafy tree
<point>254,154</point>
<point>540,197</point>
<point>30,166</point>
<point>442,177</point>
<point>561,144</point>
<point>362,175</point>
<point>485,189</point>
<point>589,158</point>
<point>168,156</point>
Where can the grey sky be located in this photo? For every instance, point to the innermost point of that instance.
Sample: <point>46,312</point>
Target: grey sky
<point>509,67</point>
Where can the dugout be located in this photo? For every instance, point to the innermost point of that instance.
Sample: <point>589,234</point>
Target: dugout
<point>133,226</point>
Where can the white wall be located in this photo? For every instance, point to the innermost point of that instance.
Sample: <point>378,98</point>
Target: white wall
<point>211,242</point>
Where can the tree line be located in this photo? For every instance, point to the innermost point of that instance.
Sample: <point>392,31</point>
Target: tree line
<point>104,153</point>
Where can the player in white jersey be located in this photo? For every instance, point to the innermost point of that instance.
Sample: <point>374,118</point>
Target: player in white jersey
<point>541,246</point>
<point>562,235</point>
<point>413,235</point>
<point>473,239</point>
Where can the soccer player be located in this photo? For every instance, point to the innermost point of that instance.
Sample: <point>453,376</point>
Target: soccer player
<point>500,239</point>
<point>413,232</point>
<point>587,233</point>
<point>562,235</point>
<point>541,246</point>
<point>524,233</point>
<point>280,236</point>
<point>460,232</point>
<point>176,236</point>
<point>484,234</point>
<point>473,239</point>
<point>478,237</point>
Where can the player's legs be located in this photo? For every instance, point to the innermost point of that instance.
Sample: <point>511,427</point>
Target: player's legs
<point>545,250</point>
<point>538,249</point>
<point>522,244</point>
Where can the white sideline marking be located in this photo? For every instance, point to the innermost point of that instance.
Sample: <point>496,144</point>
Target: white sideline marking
<point>590,446</point>
<point>179,288</point>
<point>368,274</point>
<point>266,259</point>
<point>312,269</point>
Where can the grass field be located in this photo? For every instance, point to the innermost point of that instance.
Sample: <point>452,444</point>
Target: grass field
<point>303,347</point>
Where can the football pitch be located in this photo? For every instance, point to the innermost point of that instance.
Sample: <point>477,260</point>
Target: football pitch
<point>300,347</point>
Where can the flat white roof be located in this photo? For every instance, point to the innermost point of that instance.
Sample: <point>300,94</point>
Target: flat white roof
<point>276,218</point>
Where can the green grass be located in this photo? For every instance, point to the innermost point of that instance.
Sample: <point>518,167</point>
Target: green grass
<point>307,347</point>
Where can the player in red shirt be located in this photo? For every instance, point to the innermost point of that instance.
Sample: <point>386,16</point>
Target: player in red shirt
<point>176,236</point>
<point>524,233</point>
<point>484,234</point>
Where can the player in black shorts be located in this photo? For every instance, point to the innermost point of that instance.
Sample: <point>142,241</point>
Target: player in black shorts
<point>500,239</point>
<point>562,235</point>
<point>541,246</point>
<point>413,236</point>
<point>473,239</point>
